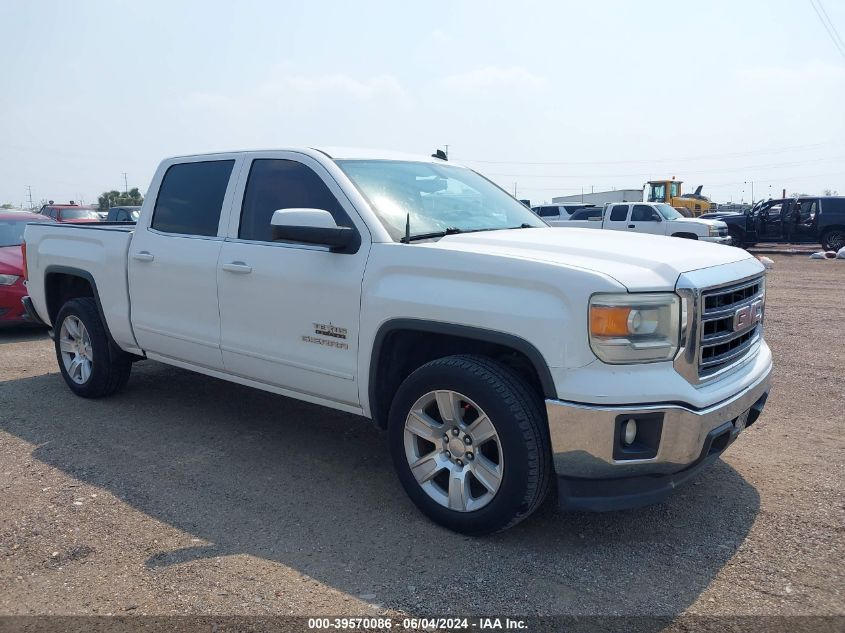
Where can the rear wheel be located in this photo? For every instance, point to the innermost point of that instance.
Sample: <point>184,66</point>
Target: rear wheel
<point>469,443</point>
<point>833,240</point>
<point>91,366</point>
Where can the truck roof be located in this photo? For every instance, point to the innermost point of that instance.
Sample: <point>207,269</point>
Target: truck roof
<point>339,153</point>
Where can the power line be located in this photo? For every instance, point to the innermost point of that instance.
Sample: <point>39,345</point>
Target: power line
<point>720,170</point>
<point>828,26</point>
<point>830,22</point>
<point>719,156</point>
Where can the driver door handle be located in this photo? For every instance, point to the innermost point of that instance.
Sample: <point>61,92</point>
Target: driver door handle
<point>144,256</point>
<point>237,267</point>
<point>632,226</point>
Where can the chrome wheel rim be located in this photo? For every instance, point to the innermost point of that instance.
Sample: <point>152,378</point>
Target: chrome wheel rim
<point>75,347</point>
<point>454,451</point>
<point>836,241</point>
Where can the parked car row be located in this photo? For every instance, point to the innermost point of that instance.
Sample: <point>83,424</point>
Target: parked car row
<point>75,213</point>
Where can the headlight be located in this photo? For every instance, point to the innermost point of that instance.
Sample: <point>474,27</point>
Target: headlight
<point>635,328</point>
<point>8,280</point>
<point>714,231</point>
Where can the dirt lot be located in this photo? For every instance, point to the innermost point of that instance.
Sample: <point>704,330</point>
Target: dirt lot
<point>186,494</point>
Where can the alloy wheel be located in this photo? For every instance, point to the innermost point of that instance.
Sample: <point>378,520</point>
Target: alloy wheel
<point>453,450</point>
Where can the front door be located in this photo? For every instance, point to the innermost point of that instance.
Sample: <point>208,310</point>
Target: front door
<point>645,219</point>
<point>290,312</point>
<point>173,264</point>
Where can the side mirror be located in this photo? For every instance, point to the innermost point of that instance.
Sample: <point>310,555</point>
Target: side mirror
<point>311,226</point>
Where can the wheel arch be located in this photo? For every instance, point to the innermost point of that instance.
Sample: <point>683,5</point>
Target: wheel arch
<point>63,283</point>
<point>402,345</point>
<point>828,229</point>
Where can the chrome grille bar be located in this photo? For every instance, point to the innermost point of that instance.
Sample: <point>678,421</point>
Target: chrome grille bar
<point>719,345</point>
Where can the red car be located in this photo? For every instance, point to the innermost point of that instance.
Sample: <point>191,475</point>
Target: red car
<point>12,289</point>
<point>70,213</point>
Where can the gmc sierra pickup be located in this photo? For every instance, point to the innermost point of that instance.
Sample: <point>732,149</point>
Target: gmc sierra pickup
<point>500,355</point>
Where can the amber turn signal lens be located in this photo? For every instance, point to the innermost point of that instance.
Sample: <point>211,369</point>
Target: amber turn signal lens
<point>609,320</point>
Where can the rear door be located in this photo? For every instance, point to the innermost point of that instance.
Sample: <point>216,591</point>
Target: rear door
<point>806,229</point>
<point>290,312</point>
<point>616,217</point>
<point>173,262</point>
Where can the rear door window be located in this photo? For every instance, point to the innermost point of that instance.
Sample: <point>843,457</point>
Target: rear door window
<point>619,213</point>
<point>548,212</point>
<point>190,198</point>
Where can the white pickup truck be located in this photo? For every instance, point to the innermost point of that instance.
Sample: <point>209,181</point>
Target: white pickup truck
<point>657,218</point>
<point>501,355</point>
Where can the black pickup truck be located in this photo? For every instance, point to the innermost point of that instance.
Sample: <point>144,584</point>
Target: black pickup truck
<point>813,220</point>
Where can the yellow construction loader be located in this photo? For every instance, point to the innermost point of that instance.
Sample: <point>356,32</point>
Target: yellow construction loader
<point>669,191</point>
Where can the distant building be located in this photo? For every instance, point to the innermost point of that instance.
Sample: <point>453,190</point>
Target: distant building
<point>600,197</point>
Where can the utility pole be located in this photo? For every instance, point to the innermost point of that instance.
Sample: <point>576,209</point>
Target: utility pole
<point>126,184</point>
<point>751,182</point>
<point>447,151</point>
<point>514,187</point>
<point>29,188</point>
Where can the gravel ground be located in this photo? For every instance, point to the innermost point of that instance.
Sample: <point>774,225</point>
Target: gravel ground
<point>185,495</point>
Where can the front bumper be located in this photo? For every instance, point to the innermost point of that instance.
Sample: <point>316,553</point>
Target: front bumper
<point>597,471</point>
<point>717,239</point>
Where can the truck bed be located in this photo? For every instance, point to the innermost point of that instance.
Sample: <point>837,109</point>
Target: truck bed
<point>95,251</point>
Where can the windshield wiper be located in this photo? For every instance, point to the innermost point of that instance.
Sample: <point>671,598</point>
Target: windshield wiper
<point>452,230</point>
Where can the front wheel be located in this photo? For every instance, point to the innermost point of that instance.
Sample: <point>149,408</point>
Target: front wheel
<point>736,236</point>
<point>469,443</point>
<point>833,240</point>
<point>90,365</point>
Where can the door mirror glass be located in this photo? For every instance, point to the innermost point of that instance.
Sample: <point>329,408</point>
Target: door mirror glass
<point>310,226</point>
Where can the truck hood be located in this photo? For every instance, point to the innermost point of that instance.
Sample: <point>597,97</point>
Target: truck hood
<point>640,262</point>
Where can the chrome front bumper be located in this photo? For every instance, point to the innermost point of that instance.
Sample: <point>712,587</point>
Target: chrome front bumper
<point>717,239</point>
<point>586,439</point>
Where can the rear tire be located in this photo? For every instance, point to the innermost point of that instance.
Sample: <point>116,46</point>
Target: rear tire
<point>513,464</point>
<point>833,240</point>
<point>90,364</point>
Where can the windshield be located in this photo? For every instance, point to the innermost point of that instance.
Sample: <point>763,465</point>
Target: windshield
<point>11,231</point>
<point>79,214</point>
<point>434,198</point>
<point>657,192</point>
<point>668,211</point>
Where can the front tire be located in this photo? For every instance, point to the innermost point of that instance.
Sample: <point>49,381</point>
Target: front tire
<point>470,445</point>
<point>737,238</point>
<point>91,366</point>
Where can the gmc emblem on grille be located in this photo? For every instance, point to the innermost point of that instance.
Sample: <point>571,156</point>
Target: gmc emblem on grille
<point>749,316</point>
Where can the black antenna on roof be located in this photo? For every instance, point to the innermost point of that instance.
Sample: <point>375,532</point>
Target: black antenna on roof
<point>408,228</point>
<point>440,154</point>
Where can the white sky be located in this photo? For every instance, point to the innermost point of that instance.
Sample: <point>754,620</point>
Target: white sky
<point>554,96</point>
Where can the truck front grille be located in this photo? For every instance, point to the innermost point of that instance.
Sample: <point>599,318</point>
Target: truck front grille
<point>731,325</point>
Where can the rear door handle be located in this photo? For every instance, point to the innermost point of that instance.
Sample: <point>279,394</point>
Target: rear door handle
<point>237,267</point>
<point>144,256</point>
<point>632,226</point>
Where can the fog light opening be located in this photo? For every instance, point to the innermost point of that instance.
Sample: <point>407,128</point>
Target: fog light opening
<point>629,432</point>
